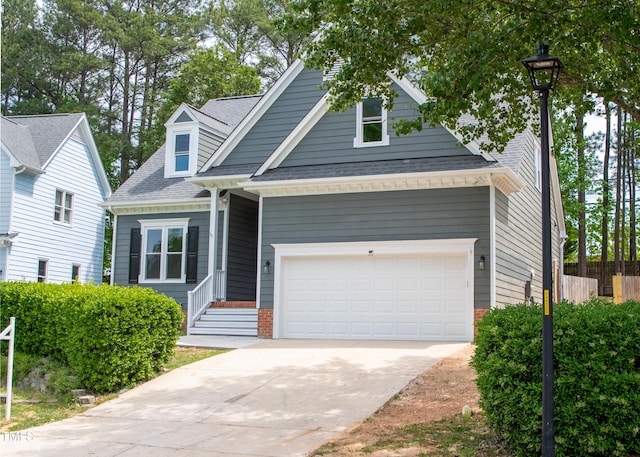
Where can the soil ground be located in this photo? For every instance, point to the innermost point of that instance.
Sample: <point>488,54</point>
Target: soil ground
<point>438,393</point>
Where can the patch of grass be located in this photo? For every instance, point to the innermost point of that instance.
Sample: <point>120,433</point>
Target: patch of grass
<point>452,437</point>
<point>31,407</point>
<point>185,355</point>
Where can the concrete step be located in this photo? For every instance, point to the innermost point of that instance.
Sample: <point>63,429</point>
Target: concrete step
<point>228,318</point>
<point>214,324</point>
<point>224,332</point>
<point>227,321</point>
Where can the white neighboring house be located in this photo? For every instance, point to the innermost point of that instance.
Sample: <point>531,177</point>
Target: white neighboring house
<point>51,185</point>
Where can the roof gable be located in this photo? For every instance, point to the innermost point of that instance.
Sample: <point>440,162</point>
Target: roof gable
<point>35,140</point>
<point>47,133</point>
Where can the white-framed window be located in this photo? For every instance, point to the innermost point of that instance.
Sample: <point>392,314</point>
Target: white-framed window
<point>181,152</point>
<point>371,123</point>
<point>63,209</point>
<point>537,167</point>
<point>75,272</point>
<point>164,250</point>
<point>43,267</point>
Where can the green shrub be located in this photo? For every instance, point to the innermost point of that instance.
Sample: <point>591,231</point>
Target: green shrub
<point>596,371</point>
<point>110,336</point>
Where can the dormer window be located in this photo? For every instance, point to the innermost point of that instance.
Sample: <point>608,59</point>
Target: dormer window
<point>181,148</point>
<point>371,123</point>
<point>181,152</point>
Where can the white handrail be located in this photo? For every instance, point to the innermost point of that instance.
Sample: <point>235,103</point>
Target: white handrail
<point>198,299</point>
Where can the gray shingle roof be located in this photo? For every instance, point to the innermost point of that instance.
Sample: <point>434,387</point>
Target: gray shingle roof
<point>37,137</point>
<point>231,110</point>
<point>211,121</point>
<point>379,167</point>
<point>148,182</point>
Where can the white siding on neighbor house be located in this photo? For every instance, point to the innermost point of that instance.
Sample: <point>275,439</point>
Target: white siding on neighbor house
<point>6,185</point>
<point>518,244</point>
<point>82,243</point>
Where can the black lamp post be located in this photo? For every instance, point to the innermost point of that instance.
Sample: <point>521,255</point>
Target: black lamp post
<point>543,71</point>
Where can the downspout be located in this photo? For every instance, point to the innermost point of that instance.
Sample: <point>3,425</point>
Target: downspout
<point>113,244</point>
<point>563,240</point>
<point>492,241</point>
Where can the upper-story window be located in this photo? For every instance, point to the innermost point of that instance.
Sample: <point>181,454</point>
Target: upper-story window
<point>164,250</point>
<point>371,123</point>
<point>181,152</point>
<point>181,147</point>
<point>537,167</point>
<point>63,209</point>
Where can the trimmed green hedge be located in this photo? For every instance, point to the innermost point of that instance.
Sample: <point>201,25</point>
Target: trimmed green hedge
<point>596,371</point>
<point>111,336</point>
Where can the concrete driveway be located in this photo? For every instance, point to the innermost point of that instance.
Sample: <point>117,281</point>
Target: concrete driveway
<point>274,398</point>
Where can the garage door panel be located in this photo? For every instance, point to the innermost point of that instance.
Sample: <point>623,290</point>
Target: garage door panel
<point>421,296</point>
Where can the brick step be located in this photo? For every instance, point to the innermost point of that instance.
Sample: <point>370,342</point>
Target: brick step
<point>231,312</point>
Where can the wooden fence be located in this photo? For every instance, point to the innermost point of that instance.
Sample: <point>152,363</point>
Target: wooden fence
<point>603,272</point>
<point>579,290</point>
<point>626,288</point>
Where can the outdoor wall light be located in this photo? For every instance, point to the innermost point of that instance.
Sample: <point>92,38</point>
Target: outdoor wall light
<point>266,268</point>
<point>481,263</point>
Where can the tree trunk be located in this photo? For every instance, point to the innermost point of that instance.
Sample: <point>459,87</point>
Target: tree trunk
<point>582,229</point>
<point>604,234</point>
<point>124,135</point>
<point>616,230</point>
<point>631,177</point>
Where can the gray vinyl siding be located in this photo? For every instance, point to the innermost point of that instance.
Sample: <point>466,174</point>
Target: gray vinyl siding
<point>208,143</point>
<point>285,113</point>
<point>120,265</point>
<point>242,249</point>
<point>379,216</point>
<point>331,139</point>
<point>519,237</point>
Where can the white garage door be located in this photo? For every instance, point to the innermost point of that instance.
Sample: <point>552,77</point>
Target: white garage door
<point>394,297</point>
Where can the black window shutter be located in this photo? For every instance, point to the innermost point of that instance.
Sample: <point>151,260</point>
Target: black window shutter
<point>134,255</point>
<point>192,255</point>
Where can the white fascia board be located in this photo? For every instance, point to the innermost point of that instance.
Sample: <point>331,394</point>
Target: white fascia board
<point>212,130</point>
<point>364,248</point>
<point>420,97</point>
<point>64,141</point>
<point>296,135</point>
<point>154,206</point>
<point>102,174</point>
<point>227,181</point>
<point>254,115</point>
<point>502,178</point>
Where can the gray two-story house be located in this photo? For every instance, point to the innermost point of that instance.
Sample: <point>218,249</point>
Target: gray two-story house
<point>272,215</point>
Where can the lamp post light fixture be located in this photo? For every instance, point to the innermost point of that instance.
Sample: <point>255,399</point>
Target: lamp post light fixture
<point>543,71</point>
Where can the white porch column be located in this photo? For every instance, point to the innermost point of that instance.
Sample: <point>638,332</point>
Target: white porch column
<point>213,239</point>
